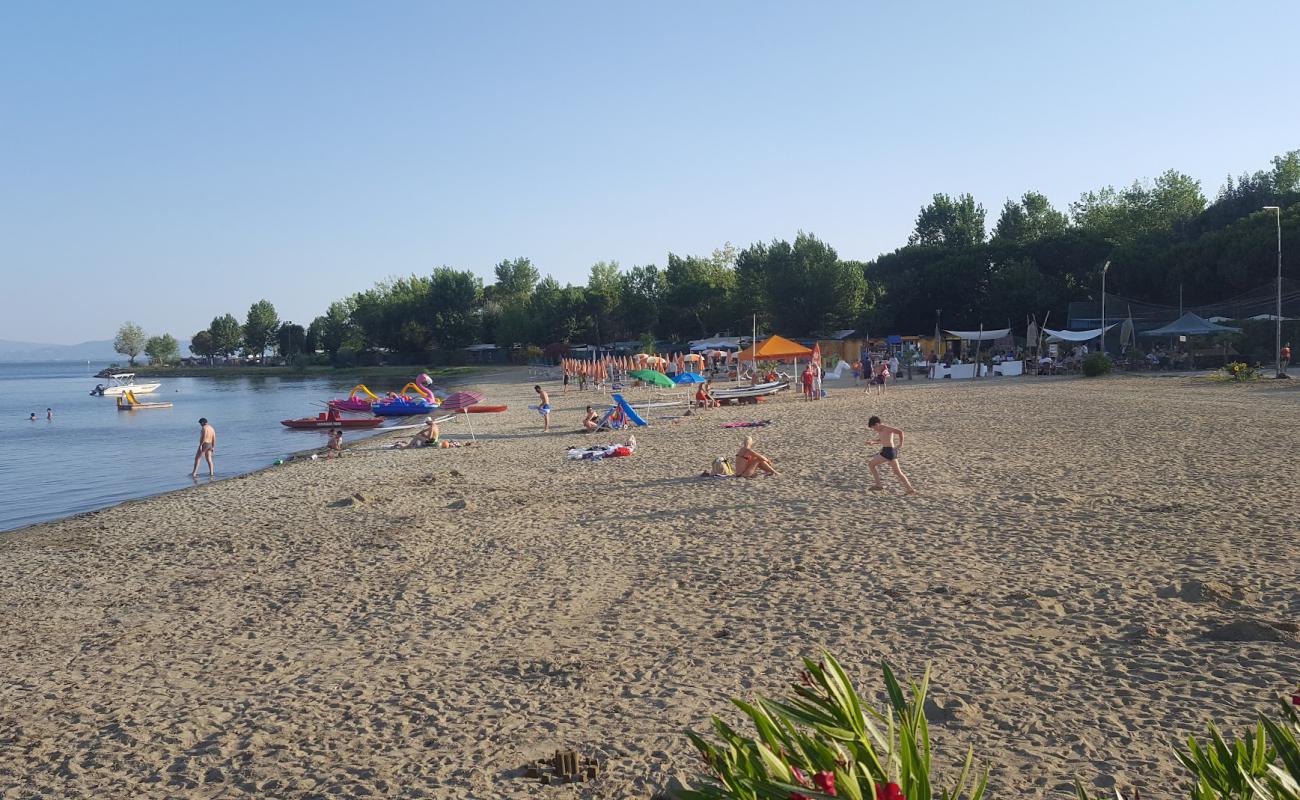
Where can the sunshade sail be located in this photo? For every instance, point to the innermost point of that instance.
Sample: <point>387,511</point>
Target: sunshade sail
<point>979,336</point>
<point>1075,336</point>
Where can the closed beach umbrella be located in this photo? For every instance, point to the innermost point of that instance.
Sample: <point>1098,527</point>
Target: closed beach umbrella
<point>460,401</point>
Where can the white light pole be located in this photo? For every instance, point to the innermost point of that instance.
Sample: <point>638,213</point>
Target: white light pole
<point>1277,349</point>
<point>1104,267</point>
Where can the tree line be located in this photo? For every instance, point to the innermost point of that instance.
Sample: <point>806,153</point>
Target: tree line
<point>1160,236</point>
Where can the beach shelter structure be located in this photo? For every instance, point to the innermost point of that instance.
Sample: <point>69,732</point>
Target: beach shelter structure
<point>775,348</point>
<point>1190,324</point>
<point>1075,336</point>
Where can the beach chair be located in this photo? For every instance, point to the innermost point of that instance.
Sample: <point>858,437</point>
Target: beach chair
<point>606,419</point>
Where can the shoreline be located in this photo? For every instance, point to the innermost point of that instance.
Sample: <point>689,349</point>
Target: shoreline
<point>459,374</point>
<point>427,622</point>
<point>289,455</point>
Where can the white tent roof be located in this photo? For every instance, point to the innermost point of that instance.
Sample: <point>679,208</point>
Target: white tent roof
<point>980,336</point>
<point>1075,336</point>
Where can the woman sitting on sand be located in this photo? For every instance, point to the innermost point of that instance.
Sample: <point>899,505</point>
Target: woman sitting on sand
<point>428,435</point>
<point>749,461</point>
<point>591,421</point>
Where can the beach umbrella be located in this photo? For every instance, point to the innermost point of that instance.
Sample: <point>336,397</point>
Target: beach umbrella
<point>653,377</point>
<point>689,377</point>
<point>461,401</point>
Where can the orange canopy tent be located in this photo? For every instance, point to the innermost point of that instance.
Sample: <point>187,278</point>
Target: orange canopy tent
<point>777,347</point>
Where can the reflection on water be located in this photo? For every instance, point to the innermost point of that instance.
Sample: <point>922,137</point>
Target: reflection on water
<point>91,455</point>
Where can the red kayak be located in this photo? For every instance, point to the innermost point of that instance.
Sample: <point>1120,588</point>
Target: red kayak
<point>331,420</point>
<point>486,409</point>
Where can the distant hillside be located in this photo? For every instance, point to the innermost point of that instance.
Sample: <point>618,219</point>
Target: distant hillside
<point>102,350</point>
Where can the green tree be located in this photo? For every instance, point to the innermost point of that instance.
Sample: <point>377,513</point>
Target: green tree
<point>605,300</point>
<point>260,327</point>
<point>697,295</point>
<point>806,288</point>
<point>162,349</point>
<point>201,345</point>
<point>334,331</point>
<point>559,312</point>
<point>227,335</point>
<point>290,340</point>
<point>1159,208</point>
<point>516,278</point>
<point>454,306</point>
<point>130,341</point>
<point>1028,220</point>
<point>950,222</point>
<point>1286,173</point>
<point>640,299</point>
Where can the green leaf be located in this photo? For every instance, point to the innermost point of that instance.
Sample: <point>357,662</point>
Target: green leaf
<point>775,766</point>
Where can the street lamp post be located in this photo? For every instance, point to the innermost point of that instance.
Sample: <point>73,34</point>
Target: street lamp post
<point>1277,349</point>
<point>1104,267</point>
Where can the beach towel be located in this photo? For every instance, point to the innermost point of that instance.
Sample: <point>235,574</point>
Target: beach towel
<point>761,423</point>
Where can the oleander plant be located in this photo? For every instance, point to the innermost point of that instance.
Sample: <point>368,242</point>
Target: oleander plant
<point>1262,765</point>
<point>823,741</point>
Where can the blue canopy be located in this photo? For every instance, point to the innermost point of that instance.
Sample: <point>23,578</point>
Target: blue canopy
<point>690,377</point>
<point>1190,324</point>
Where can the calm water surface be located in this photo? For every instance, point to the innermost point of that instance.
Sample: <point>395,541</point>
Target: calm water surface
<point>92,455</point>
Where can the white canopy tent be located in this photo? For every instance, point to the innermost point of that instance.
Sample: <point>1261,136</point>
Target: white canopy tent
<point>1075,336</point>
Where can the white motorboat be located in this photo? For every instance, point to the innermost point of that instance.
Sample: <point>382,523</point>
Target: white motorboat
<point>121,383</point>
<point>750,392</point>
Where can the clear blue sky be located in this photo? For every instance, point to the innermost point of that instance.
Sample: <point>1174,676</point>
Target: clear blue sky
<point>167,162</point>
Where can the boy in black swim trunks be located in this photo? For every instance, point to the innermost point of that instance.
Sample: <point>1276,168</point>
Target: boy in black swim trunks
<point>888,454</point>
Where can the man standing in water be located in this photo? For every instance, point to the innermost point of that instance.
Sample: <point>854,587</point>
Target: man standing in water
<point>207,446</point>
<point>544,407</point>
<point>888,454</point>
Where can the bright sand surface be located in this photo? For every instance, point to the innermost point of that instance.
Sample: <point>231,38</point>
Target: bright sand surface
<point>482,607</point>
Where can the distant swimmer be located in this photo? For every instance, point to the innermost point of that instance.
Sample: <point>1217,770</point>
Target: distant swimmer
<point>888,455</point>
<point>49,414</point>
<point>33,417</point>
<point>207,446</point>
<point>544,407</point>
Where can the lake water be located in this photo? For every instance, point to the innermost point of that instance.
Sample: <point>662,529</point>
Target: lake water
<point>92,455</point>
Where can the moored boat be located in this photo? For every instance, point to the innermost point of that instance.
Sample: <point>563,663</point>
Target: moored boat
<point>121,383</point>
<point>330,420</point>
<point>354,401</point>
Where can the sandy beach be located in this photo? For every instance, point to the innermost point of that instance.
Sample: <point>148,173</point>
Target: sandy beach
<point>425,623</point>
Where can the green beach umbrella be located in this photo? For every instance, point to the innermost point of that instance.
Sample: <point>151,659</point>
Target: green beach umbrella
<point>653,377</point>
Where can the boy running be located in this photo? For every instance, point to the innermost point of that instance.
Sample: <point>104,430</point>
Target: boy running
<point>888,454</point>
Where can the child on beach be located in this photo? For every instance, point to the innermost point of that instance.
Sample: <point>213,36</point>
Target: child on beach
<point>336,443</point>
<point>544,407</point>
<point>888,454</point>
